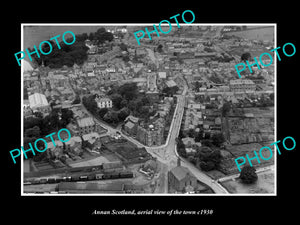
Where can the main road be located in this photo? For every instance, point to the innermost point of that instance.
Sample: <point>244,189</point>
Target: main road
<point>167,153</point>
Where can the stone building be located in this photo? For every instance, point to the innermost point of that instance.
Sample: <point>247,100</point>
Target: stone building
<point>181,179</point>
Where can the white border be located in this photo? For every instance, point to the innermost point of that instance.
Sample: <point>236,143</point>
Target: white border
<point>151,24</point>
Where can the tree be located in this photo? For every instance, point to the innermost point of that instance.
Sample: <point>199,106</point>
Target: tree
<point>76,100</point>
<point>192,159</point>
<point>102,112</point>
<point>81,37</point>
<point>170,91</point>
<point>31,122</point>
<point>90,103</point>
<point>116,100</point>
<point>34,132</point>
<point>181,148</point>
<point>226,108</point>
<point>111,117</point>
<point>209,159</point>
<point>101,35</point>
<point>143,110</point>
<point>129,91</point>
<point>91,36</point>
<point>246,56</point>
<point>66,55</point>
<point>191,133</point>
<point>248,175</point>
<point>122,115</point>
<point>197,85</point>
<point>160,48</point>
<point>66,117</point>
<point>199,136</point>
<point>123,47</point>
<point>123,103</point>
<point>207,166</point>
<point>218,139</point>
<point>207,143</point>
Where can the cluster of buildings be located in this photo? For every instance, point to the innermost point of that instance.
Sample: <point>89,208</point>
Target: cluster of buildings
<point>149,134</point>
<point>202,64</point>
<point>85,135</point>
<point>182,180</point>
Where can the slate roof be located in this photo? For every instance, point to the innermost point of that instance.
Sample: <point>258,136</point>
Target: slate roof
<point>181,172</point>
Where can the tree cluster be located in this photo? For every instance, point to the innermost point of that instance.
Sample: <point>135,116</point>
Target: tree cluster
<point>101,36</point>
<point>170,91</point>
<point>67,55</point>
<point>128,96</point>
<point>76,100</point>
<point>181,148</point>
<point>70,54</point>
<point>218,139</point>
<point>125,100</point>
<point>38,127</point>
<point>209,159</point>
<point>226,108</point>
<point>248,175</point>
<point>246,56</point>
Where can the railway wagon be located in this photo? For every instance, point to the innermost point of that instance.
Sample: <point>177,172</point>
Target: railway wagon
<point>59,179</point>
<point>83,177</point>
<point>43,181</point>
<point>52,180</point>
<point>126,174</point>
<point>99,176</point>
<point>91,177</point>
<point>75,178</point>
<point>27,183</point>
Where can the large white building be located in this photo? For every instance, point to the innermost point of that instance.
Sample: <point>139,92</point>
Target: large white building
<point>104,103</point>
<point>38,102</point>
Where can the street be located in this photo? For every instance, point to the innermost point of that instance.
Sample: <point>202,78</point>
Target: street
<point>167,153</point>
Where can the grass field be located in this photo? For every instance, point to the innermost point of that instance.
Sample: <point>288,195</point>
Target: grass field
<point>264,185</point>
<point>264,34</point>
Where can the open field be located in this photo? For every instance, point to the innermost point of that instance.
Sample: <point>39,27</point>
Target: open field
<point>264,34</point>
<point>264,185</point>
<point>228,165</point>
<point>255,129</point>
<point>254,51</point>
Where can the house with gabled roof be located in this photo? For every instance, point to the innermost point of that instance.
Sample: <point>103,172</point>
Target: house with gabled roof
<point>180,178</point>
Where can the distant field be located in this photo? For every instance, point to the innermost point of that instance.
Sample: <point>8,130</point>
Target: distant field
<point>259,128</point>
<point>264,34</point>
<point>33,35</point>
<point>254,51</point>
<point>264,185</point>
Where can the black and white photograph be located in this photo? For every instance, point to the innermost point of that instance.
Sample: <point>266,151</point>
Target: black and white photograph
<point>144,112</point>
<point>163,114</point>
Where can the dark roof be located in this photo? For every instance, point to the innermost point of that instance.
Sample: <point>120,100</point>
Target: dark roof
<point>181,172</point>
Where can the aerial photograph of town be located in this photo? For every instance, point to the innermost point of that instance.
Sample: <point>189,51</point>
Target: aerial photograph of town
<point>166,116</point>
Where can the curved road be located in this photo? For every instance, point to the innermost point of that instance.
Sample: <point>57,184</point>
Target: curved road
<point>167,153</point>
